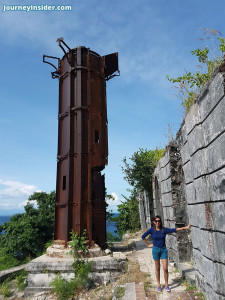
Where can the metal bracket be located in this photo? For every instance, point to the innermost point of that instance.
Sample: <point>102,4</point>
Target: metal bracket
<point>56,73</point>
<point>111,76</point>
<point>60,41</point>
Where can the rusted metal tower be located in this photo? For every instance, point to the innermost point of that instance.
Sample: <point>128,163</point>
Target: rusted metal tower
<point>82,141</point>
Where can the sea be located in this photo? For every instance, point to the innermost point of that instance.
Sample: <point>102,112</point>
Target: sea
<point>110,226</point>
<point>4,219</point>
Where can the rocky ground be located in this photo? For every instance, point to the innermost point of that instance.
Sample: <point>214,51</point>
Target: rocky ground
<point>138,283</point>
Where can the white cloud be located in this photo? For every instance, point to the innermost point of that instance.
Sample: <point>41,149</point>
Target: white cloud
<point>14,194</point>
<point>113,202</point>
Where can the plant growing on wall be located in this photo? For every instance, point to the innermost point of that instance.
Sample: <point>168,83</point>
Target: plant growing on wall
<point>190,84</point>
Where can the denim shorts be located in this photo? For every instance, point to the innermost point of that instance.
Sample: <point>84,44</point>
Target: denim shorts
<point>159,253</point>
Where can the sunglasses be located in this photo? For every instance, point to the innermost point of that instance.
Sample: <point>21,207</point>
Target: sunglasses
<point>157,221</point>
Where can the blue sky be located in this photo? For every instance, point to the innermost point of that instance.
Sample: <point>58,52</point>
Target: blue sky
<point>153,38</point>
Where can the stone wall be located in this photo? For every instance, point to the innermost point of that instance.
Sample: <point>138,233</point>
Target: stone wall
<point>189,186</point>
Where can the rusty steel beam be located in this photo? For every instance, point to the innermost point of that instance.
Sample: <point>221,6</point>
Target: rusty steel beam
<point>82,141</point>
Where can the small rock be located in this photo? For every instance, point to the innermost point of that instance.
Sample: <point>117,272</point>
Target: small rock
<point>126,236</point>
<point>107,251</point>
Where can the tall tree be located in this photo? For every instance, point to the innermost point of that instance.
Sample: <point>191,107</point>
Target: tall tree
<point>128,218</point>
<point>139,172</point>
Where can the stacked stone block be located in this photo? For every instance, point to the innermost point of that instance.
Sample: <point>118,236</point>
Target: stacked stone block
<point>171,198</point>
<point>201,145</point>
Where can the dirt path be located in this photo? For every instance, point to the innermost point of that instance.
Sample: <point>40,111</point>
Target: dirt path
<point>144,256</point>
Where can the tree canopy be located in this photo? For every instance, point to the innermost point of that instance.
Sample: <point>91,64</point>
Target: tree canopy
<point>128,218</point>
<point>25,235</point>
<point>139,172</point>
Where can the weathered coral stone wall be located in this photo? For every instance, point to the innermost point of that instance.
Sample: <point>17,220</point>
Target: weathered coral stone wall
<point>192,188</point>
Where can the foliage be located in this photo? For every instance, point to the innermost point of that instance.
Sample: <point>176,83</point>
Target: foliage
<point>66,289</point>
<point>200,294</point>
<point>6,288</point>
<point>6,260</point>
<point>139,172</point>
<point>21,280</point>
<point>128,217</point>
<point>120,292</point>
<point>190,84</point>
<point>25,235</point>
<point>78,243</point>
<point>112,237</point>
<point>63,288</point>
<point>188,286</point>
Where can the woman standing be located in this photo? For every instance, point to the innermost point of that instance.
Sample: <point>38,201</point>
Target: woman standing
<point>159,251</point>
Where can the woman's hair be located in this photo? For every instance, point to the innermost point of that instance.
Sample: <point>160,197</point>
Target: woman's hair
<point>160,224</point>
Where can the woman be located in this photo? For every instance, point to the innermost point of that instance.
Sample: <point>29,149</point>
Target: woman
<point>158,233</point>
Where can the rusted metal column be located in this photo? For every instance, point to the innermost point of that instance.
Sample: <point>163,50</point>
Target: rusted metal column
<point>82,142</point>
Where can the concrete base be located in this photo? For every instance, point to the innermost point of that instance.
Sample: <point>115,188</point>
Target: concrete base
<point>60,250</point>
<point>44,269</point>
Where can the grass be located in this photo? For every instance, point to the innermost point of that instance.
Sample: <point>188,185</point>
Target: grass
<point>200,294</point>
<point>147,286</point>
<point>120,292</point>
<point>133,274</point>
<point>6,289</point>
<point>193,288</point>
<point>21,280</point>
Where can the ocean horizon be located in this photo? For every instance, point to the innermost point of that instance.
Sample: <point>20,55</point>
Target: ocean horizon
<point>110,226</point>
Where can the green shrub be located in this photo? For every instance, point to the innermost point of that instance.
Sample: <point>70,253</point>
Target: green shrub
<point>113,237</point>
<point>7,261</point>
<point>66,289</point>
<point>21,280</point>
<point>120,292</point>
<point>189,84</point>
<point>63,288</point>
<point>6,288</point>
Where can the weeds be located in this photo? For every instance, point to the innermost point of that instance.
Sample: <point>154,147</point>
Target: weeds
<point>147,286</point>
<point>63,288</point>
<point>200,294</point>
<point>67,288</point>
<point>188,286</point>
<point>190,84</point>
<point>6,288</point>
<point>120,292</point>
<point>21,280</point>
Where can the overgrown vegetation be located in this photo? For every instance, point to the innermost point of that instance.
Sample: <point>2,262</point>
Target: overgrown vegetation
<point>112,237</point>
<point>25,235</point>
<point>193,288</point>
<point>138,173</point>
<point>21,280</point>
<point>120,292</point>
<point>190,84</point>
<point>16,281</point>
<point>128,218</point>
<point>64,288</point>
<point>6,260</point>
<point>6,288</point>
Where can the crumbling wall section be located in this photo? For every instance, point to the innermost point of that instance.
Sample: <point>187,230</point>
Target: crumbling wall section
<point>169,176</point>
<point>201,145</point>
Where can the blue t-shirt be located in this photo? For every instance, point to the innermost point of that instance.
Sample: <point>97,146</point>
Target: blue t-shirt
<point>158,236</point>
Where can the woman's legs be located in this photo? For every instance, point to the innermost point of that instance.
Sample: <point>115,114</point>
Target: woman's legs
<point>157,271</point>
<point>165,270</point>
